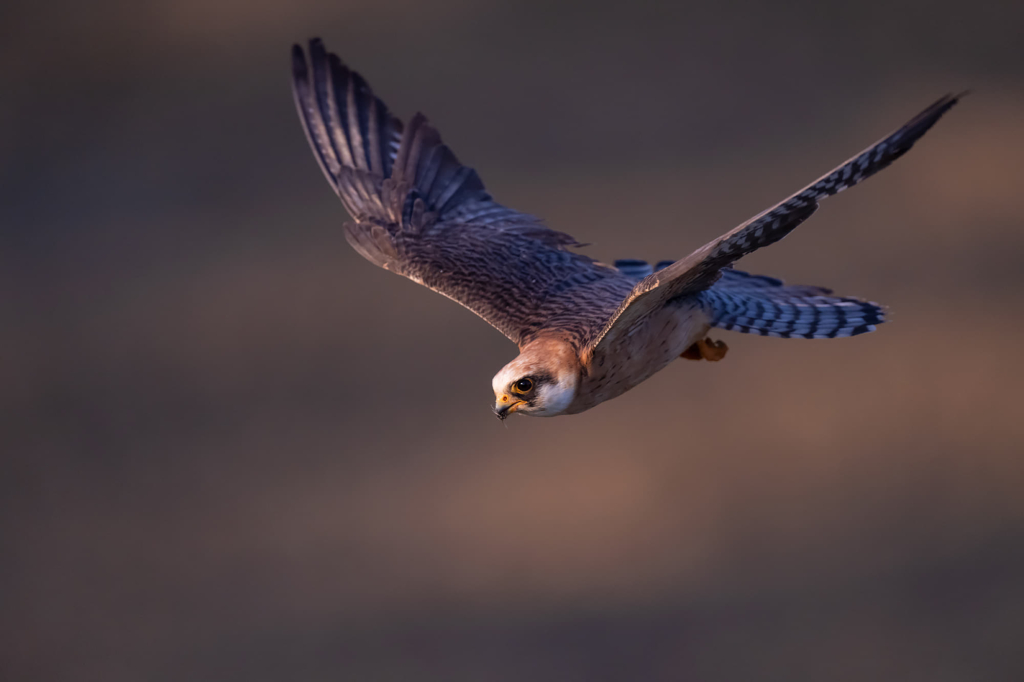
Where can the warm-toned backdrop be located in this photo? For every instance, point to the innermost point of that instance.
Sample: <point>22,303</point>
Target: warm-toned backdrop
<point>233,450</point>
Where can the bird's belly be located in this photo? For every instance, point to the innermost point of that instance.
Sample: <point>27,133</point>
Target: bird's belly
<point>638,355</point>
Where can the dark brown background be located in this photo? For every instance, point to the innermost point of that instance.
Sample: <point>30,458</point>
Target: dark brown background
<point>232,450</point>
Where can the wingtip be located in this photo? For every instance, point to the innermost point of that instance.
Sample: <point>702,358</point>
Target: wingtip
<point>916,127</point>
<point>298,60</point>
<point>418,119</point>
<point>940,108</point>
<point>953,99</point>
<point>943,104</point>
<point>316,50</point>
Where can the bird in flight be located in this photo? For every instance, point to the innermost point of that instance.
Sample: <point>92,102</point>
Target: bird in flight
<point>587,332</point>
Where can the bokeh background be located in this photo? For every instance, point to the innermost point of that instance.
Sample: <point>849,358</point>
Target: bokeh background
<point>223,452</point>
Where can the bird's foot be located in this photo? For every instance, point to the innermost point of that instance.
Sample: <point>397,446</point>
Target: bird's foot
<point>706,349</point>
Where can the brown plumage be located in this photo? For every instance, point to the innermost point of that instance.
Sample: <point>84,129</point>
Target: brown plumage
<point>586,331</point>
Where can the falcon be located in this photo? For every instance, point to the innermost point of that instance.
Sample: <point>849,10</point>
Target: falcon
<point>587,331</point>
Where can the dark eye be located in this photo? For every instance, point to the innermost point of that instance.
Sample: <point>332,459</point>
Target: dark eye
<point>524,385</point>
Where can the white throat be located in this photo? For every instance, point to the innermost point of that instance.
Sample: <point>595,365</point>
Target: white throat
<point>554,398</point>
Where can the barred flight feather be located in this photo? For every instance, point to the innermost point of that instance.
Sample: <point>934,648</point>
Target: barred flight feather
<point>754,304</point>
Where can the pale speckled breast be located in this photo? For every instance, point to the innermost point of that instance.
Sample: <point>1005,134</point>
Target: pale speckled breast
<point>648,348</point>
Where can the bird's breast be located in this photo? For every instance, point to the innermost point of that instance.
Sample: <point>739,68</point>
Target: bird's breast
<point>645,349</point>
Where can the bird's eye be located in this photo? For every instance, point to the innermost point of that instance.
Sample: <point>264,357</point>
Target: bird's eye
<point>523,385</point>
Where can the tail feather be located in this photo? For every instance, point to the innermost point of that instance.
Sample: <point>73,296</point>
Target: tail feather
<point>754,304</point>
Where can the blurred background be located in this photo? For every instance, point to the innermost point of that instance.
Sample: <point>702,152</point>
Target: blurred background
<point>216,459</point>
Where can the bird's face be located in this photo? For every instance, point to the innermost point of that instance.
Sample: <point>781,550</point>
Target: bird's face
<point>536,384</point>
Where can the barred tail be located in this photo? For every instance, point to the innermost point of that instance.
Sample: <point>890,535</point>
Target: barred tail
<point>755,304</point>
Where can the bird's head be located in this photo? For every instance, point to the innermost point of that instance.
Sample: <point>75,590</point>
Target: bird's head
<point>541,382</point>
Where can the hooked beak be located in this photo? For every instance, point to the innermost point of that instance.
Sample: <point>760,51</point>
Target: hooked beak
<point>506,406</point>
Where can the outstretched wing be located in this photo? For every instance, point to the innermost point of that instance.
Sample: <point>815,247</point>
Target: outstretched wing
<point>420,213</point>
<point>703,267</point>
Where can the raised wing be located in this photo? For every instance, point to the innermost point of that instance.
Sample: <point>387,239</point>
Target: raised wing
<point>422,214</point>
<point>703,267</point>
